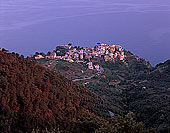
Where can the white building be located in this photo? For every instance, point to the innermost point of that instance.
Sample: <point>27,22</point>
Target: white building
<point>97,67</point>
<point>53,55</point>
<point>39,57</point>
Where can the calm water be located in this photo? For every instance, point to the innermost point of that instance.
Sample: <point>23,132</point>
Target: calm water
<point>141,26</point>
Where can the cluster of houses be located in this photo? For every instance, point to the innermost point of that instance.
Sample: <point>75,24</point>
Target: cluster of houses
<point>84,55</point>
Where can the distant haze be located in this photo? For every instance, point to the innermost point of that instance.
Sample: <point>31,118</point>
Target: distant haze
<point>141,26</point>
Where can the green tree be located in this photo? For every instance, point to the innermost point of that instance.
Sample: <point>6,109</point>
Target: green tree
<point>42,53</point>
<point>126,124</point>
<point>49,53</point>
<point>36,53</point>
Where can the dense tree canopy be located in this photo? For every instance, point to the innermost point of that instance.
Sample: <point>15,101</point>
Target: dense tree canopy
<point>32,96</point>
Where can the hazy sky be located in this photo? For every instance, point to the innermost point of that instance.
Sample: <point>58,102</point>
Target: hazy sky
<point>141,26</point>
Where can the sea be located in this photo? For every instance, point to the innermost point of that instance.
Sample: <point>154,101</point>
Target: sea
<point>140,26</point>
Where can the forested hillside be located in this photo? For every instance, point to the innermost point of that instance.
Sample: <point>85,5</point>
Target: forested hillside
<point>133,85</point>
<point>149,98</point>
<point>34,97</point>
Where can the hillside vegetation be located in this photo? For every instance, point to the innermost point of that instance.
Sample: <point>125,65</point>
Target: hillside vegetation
<point>33,97</point>
<point>133,85</point>
<point>149,99</point>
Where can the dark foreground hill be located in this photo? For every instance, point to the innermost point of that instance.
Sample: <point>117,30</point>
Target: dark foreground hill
<point>33,97</point>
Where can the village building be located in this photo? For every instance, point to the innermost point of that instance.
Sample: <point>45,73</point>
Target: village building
<point>39,57</point>
<point>115,55</point>
<point>69,60</point>
<point>107,52</point>
<point>76,56</point>
<point>67,46</point>
<point>53,55</point>
<point>75,50</point>
<point>96,54</point>
<point>80,61</point>
<point>120,48</point>
<point>66,55</point>
<point>106,58</point>
<point>113,45</point>
<point>58,57</point>
<point>81,56</point>
<point>121,57</point>
<point>90,65</point>
<point>48,57</point>
<point>97,67</point>
<point>112,49</point>
<point>111,55</point>
<point>122,53</point>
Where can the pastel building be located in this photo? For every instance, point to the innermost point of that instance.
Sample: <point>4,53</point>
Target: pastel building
<point>111,55</point>
<point>106,58</point>
<point>90,65</point>
<point>53,55</point>
<point>38,57</point>
<point>122,57</point>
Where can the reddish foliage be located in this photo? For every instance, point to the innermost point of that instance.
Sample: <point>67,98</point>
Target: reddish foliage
<point>31,95</point>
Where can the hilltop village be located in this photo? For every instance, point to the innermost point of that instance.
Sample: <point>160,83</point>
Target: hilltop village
<point>85,55</point>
